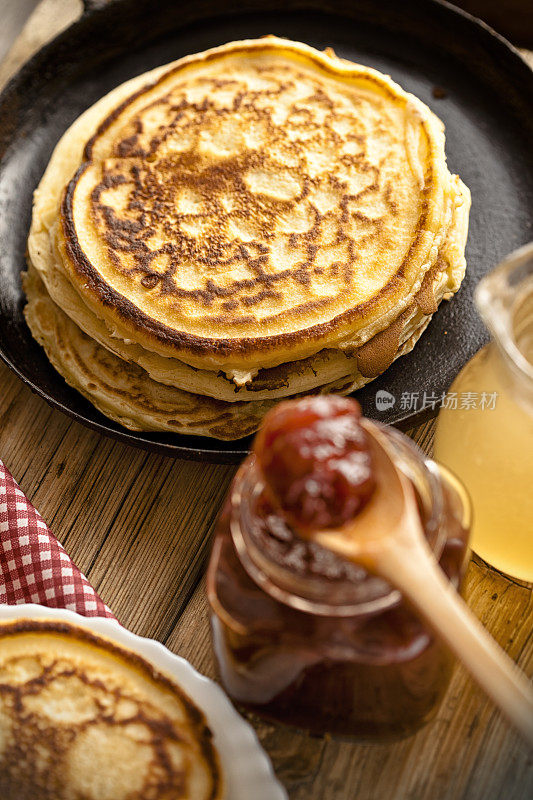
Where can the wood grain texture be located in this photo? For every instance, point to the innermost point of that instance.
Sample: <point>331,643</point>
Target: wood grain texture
<point>139,526</point>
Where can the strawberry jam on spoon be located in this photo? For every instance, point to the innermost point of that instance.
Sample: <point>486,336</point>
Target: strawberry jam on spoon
<point>315,458</point>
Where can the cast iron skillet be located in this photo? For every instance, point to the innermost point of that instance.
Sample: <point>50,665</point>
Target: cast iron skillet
<point>472,78</point>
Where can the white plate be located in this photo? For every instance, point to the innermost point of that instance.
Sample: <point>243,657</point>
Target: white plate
<point>247,769</point>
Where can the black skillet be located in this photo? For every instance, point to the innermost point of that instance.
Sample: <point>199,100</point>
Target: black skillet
<point>471,77</point>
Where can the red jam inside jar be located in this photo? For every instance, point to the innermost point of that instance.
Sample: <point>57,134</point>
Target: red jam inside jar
<point>301,635</point>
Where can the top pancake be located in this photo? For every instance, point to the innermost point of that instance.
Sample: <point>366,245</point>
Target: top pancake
<point>255,204</point>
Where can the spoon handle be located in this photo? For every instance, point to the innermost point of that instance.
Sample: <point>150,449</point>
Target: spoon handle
<point>414,570</point>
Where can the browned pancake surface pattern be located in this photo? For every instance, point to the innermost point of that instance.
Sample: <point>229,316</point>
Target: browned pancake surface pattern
<point>70,731</point>
<point>277,203</point>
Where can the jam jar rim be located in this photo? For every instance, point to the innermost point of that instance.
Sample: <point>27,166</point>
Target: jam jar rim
<point>393,440</point>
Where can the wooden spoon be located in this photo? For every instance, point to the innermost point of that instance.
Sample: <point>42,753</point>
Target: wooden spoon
<point>387,539</point>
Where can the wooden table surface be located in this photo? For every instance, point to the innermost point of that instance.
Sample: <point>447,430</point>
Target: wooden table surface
<point>139,526</point>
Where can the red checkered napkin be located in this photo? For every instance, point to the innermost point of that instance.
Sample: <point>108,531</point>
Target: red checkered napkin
<point>34,567</point>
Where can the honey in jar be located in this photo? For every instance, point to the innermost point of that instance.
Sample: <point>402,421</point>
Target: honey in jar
<point>486,436</point>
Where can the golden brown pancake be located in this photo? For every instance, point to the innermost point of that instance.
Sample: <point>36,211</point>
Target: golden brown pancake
<point>252,222</point>
<point>82,719</point>
<point>304,375</point>
<point>256,203</point>
<point>124,392</point>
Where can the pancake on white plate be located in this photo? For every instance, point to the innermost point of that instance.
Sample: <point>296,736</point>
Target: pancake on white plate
<point>84,719</point>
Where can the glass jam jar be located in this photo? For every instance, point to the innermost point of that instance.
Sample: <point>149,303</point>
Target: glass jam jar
<point>306,638</point>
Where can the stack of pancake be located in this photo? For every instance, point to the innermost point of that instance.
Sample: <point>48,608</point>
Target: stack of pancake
<point>82,719</point>
<point>258,221</point>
